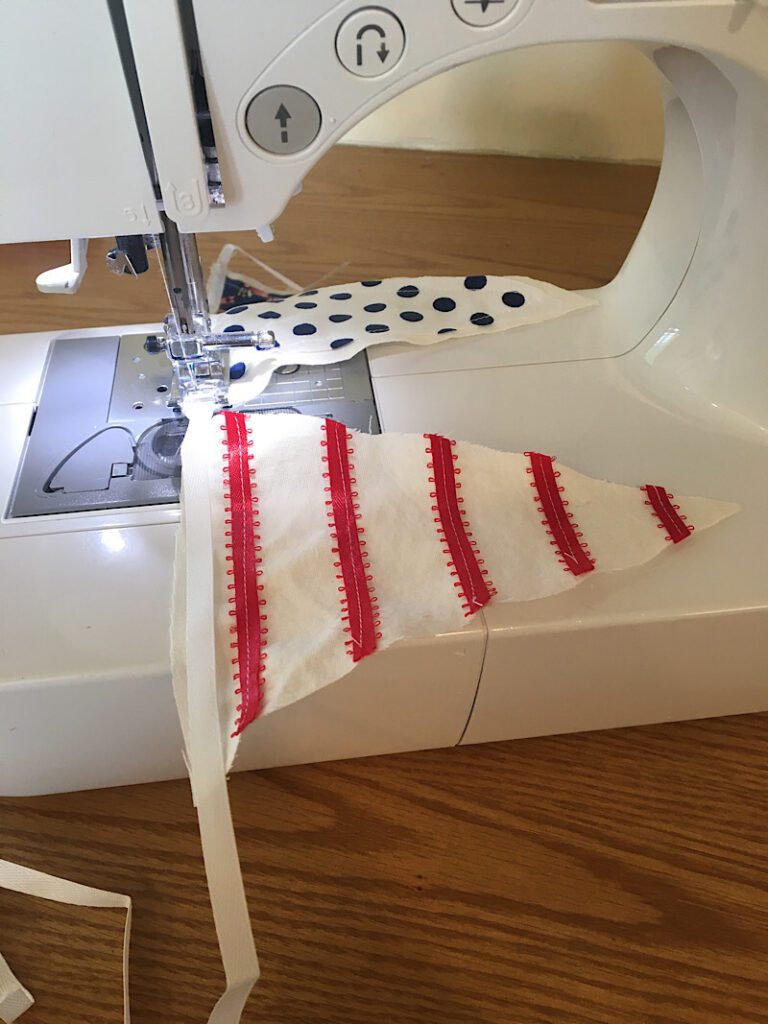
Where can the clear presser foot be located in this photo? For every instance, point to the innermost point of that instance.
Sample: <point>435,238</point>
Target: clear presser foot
<point>199,357</point>
<point>201,361</point>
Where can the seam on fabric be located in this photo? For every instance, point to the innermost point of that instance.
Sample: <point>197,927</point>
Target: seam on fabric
<point>660,500</point>
<point>567,539</point>
<point>471,580</point>
<point>359,606</point>
<point>243,546</point>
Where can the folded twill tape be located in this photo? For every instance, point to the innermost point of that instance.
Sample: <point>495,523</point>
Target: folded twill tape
<point>305,547</point>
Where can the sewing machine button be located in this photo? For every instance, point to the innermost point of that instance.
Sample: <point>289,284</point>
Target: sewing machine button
<point>370,42</point>
<point>283,119</point>
<point>481,13</point>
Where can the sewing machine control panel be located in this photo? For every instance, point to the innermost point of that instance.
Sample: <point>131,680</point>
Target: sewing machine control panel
<point>370,43</point>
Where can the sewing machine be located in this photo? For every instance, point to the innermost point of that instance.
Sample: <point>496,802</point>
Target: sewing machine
<point>153,121</point>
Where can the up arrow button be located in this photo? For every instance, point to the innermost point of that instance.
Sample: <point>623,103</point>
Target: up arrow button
<point>283,119</point>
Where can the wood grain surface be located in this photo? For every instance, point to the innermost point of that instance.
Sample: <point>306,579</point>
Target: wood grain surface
<point>380,213</point>
<point>604,878</point>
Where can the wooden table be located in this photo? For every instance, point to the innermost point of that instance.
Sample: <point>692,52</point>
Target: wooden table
<point>615,877</point>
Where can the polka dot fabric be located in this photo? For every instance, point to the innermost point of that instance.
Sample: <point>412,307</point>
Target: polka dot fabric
<point>327,325</point>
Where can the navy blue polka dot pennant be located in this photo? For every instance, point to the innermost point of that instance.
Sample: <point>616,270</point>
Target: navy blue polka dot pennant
<point>327,325</point>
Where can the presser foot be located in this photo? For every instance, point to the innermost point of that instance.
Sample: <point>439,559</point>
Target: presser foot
<point>201,362</point>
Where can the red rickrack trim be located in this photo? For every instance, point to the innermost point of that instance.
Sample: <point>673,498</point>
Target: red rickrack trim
<point>660,500</point>
<point>359,608</point>
<point>572,551</point>
<point>243,554</point>
<point>472,583</point>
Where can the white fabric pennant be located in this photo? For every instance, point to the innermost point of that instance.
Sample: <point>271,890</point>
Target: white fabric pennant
<point>299,636</point>
<point>330,325</point>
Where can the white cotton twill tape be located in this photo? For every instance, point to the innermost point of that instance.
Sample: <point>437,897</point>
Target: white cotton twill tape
<point>194,664</point>
<point>14,998</point>
<point>413,585</point>
<point>330,325</point>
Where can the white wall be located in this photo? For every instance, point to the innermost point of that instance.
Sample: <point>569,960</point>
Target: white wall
<point>587,101</point>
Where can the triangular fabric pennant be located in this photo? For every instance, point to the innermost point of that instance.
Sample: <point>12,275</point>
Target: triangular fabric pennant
<point>330,545</point>
<point>330,325</point>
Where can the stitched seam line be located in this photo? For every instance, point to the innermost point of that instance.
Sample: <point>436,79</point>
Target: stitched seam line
<point>475,590</point>
<point>243,547</point>
<point>358,603</point>
<point>566,537</point>
<point>668,514</point>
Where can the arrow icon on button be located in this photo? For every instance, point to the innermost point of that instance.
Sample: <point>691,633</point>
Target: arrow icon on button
<point>283,116</point>
<point>484,4</point>
<point>383,52</point>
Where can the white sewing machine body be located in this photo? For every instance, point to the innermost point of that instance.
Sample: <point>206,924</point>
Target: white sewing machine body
<point>664,380</point>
